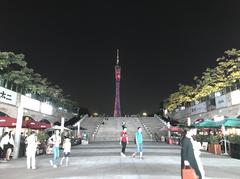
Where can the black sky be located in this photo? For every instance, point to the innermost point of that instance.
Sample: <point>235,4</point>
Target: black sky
<point>74,45</point>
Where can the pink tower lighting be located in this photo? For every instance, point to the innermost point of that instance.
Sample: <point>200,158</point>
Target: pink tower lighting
<point>117,108</point>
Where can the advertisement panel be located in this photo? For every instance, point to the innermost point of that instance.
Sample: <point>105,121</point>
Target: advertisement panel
<point>223,101</point>
<point>199,108</point>
<point>235,97</point>
<point>8,96</point>
<point>30,103</point>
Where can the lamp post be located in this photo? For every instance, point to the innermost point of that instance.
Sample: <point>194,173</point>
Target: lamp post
<point>18,130</point>
<point>62,119</point>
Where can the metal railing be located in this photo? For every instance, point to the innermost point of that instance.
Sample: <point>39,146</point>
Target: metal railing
<point>149,132</point>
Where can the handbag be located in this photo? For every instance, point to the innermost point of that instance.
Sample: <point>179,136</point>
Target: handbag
<point>189,173</point>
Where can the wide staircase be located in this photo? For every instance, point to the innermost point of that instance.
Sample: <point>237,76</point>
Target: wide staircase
<point>111,129</point>
<point>91,124</point>
<point>153,125</point>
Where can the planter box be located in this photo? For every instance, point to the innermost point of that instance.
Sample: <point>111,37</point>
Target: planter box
<point>235,150</point>
<point>215,149</point>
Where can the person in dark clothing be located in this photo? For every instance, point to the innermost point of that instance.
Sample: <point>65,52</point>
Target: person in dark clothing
<point>4,145</point>
<point>190,153</point>
<point>123,125</point>
<point>22,149</point>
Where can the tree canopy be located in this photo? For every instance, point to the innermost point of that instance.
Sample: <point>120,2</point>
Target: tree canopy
<point>225,74</point>
<point>17,76</point>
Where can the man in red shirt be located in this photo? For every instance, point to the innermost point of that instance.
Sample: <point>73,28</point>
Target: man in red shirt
<point>123,141</point>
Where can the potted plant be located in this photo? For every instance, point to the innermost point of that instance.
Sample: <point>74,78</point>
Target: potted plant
<point>234,145</point>
<point>214,146</point>
<point>202,138</point>
<point>199,138</point>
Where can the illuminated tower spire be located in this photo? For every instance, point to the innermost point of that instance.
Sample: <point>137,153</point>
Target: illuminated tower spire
<point>117,56</point>
<point>117,108</point>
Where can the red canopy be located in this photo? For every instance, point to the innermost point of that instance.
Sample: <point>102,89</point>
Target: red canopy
<point>172,129</point>
<point>32,124</point>
<point>7,121</point>
<point>40,125</point>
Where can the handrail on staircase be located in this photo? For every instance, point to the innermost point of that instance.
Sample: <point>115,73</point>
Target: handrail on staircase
<point>147,129</point>
<point>164,122</point>
<point>96,129</point>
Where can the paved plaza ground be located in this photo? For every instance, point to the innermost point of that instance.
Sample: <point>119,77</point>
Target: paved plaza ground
<point>102,161</point>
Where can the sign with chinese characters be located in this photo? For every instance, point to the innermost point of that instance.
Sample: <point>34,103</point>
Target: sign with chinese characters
<point>8,96</point>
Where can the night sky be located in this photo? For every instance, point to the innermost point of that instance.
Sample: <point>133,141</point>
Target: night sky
<point>74,45</point>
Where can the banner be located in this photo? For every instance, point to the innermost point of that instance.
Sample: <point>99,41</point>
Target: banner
<point>235,97</point>
<point>8,96</point>
<point>199,108</point>
<point>223,101</point>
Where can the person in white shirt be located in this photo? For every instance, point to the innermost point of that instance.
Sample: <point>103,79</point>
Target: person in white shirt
<point>66,151</point>
<point>31,142</point>
<point>56,141</point>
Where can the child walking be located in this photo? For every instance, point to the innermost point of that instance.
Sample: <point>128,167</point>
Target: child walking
<point>66,151</point>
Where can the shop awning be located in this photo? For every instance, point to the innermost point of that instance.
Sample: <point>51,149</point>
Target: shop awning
<point>208,123</point>
<point>227,122</point>
<point>32,124</point>
<point>7,121</point>
<point>232,122</point>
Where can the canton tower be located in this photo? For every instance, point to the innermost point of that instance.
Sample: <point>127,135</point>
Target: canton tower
<point>117,108</point>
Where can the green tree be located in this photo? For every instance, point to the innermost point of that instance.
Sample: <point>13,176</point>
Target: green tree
<point>226,73</point>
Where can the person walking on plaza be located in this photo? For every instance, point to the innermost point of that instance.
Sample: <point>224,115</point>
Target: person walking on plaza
<point>4,145</point>
<point>31,149</point>
<point>66,150</point>
<point>139,143</point>
<point>10,146</point>
<point>22,150</point>
<point>123,141</point>
<point>123,125</point>
<point>190,153</point>
<point>56,141</point>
